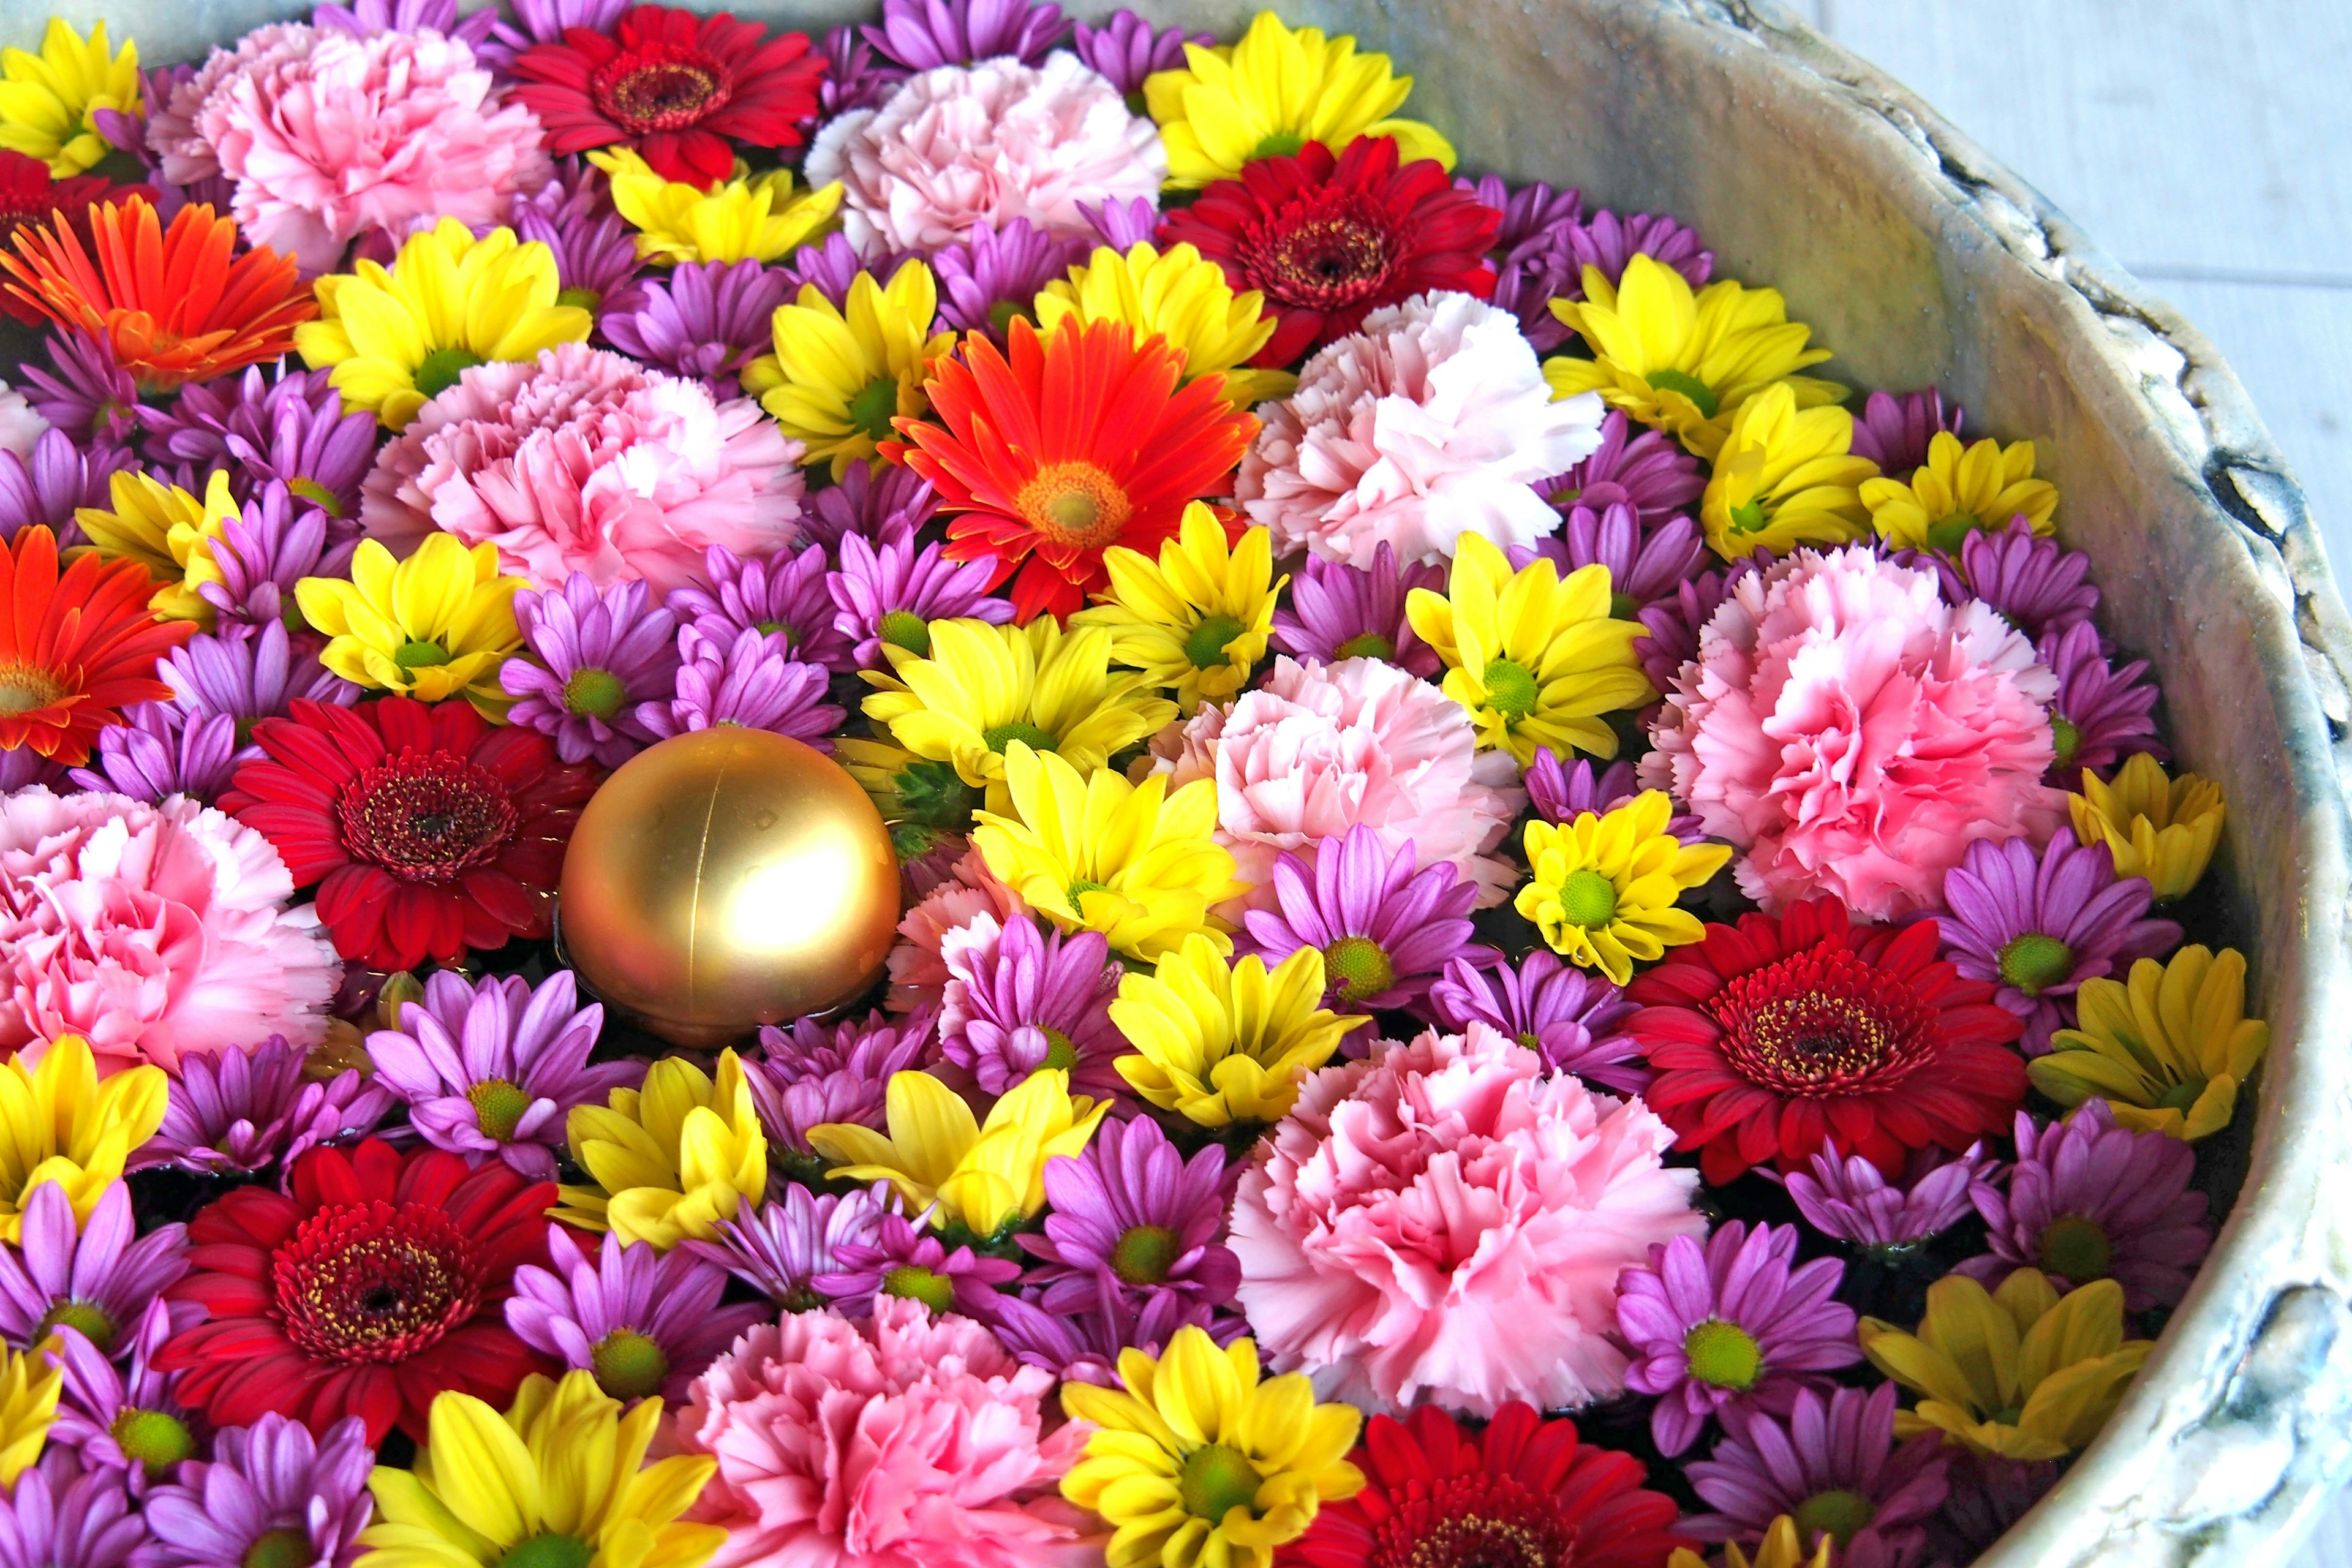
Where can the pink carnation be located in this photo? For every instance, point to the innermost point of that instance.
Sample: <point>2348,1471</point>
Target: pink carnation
<point>155,931</point>
<point>184,154</point>
<point>1854,734</point>
<point>919,965</point>
<point>587,461</point>
<point>898,1441</point>
<point>1320,749</point>
<point>964,145</point>
<point>1443,1222</point>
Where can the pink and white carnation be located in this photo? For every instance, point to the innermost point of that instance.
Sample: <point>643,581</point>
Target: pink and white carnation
<point>184,155</point>
<point>918,963</point>
<point>584,460</point>
<point>155,932</point>
<point>1852,733</point>
<point>1320,749</point>
<point>1441,1221</point>
<point>1431,421</point>
<point>901,1440</point>
<point>960,146</point>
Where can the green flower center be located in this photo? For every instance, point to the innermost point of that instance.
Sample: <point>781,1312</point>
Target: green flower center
<point>628,1366</point>
<point>420,655</point>
<point>1365,645</point>
<point>2075,1247</point>
<point>1531,1040</point>
<point>1080,887</point>
<point>1206,647</point>
<point>1359,966</point>
<point>770,628</point>
<point>1748,517</point>
<point>1724,1354</point>
<point>1620,606</point>
<point>1215,1481</point>
<point>586,299</point>
<point>1278,144</point>
<point>999,736</point>
<point>550,1550</point>
<point>442,368</point>
<point>1144,1255</point>
<point>1690,386</point>
<point>913,1282</point>
<point>2183,1097</point>
<point>906,629</point>
<point>1511,690</point>
<point>2035,962</point>
<point>1841,1516</point>
<point>95,1326</point>
<point>498,1107</point>
<point>2066,740</point>
<point>322,498</point>
<point>1946,535</point>
<point>1003,313</point>
<point>282,1548</point>
<point>1061,1056</point>
<point>153,1438</point>
<point>1587,898</point>
<point>593,693</point>
<point>871,409</point>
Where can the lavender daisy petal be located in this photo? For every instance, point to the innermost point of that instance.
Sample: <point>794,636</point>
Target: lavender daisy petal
<point>84,393</point>
<point>2037,584</point>
<point>160,750</point>
<point>596,658</point>
<point>1534,260</point>
<point>1019,999</point>
<point>903,1259</point>
<point>1851,1200</point>
<point>237,1113</point>
<point>785,598</point>
<point>782,1247</point>
<point>544,22</point>
<point>856,77</point>
<point>644,1322</point>
<point>891,592</point>
<point>702,320</point>
<point>753,685</point>
<point>125,1417</point>
<point>1385,930</point>
<point>899,501</point>
<point>1335,611</point>
<point>839,1072</point>
<point>596,263</point>
<point>1130,1213</point>
<point>47,489</point>
<point>2104,713</point>
<point>1645,566</point>
<point>993,278</point>
<point>60,1514</point>
<point>263,551</point>
<point>1571,1018</point>
<point>1085,1346</point>
<point>364,18</point>
<point>98,1278</point>
<point>1127,49</point>
<point>249,678</point>
<point>1643,469</point>
<point>1894,432</point>
<point>1832,1465</point>
<point>267,1486</point>
<point>924,34</point>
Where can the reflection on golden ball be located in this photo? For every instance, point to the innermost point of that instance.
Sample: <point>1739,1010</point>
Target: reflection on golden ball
<point>727,879</point>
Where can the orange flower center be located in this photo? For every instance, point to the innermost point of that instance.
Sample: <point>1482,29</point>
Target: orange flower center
<point>1074,504</point>
<point>26,689</point>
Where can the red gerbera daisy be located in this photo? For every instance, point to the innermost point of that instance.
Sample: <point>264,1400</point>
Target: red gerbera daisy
<point>1524,1492</point>
<point>1327,239</point>
<point>427,830</point>
<point>74,648</point>
<point>1080,440</point>
<point>1773,1037</point>
<point>379,1282</point>
<point>674,86</point>
<point>29,193</point>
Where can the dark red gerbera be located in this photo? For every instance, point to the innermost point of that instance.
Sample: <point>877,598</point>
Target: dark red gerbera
<point>29,194</point>
<point>380,1282</point>
<point>1523,1494</point>
<point>1327,239</point>
<point>674,86</point>
<point>1775,1036</point>
<point>427,830</point>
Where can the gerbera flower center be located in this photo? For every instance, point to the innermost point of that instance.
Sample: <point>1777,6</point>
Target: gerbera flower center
<point>2035,962</point>
<point>426,818</point>
<point>549,1550</point>
<point>1075,505</point>
<point>1473,1521</point>
<point>371,1282</point>
<point>1061,1054</point>
<point>1701,395</point>
<point>996,737</point>
<point>499,1108</point>
<point>2066,740</point>
<point>1359,967</point>
<point>1365,645</point>
<point>439,371</point>
<point>1587,898</point>
<point>1144,1254</point>
<point>628,1366</point>
<point>658,87</point>
<point>913,1282</point>
<point>1724,1354</point>
<point>2077,1247</point>
<point>906,629</point>
<point>285,1547</point>
<point>593,693</point>
<point>1206,647</point>
<point>1323,261</point>
<point>25,690</point>
<point>1511,689</point>
<point>871,408</point>
<point>1841,1515</point>
<point>316,494</point>
<point>93,1325</point>
<point>1825,1023</point>
<point>1215,1481</point>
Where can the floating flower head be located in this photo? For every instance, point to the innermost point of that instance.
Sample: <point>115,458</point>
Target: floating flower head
<point>1133,1217</point>
<point>840,375</point>
<point>1572,1019</point>
<point>97,1278</point>
<point>642,1323</point>
<point>436,626</point>
<point>269,1492</point>
<point>234,1113</point>
<point>1783,476</point>
<point>1182,296</point>
<point>1830,1465</point>
<point>1195,621</point>
<point>1895,433</point>
<point>1383,928</point>
<point>705,320</point>
<point>751,217</point>
<point>889,594</point>
<point>820,1073</point>
<point>77,645</point>
<point>2158,827</point>
<point>49,101</point>
<point>1602,889</point>
<point>1220,1041</point>
<point>1646,471</point>
<point>595,657</point>
<point>2101,713</point>
<point>670,1160</point>
<point>2039,586</point>
<point>2167,1049</point>
<point>780,1248</point>
<point>1019,999</point>
<point>1337,612</point>
<point>1847,1198</point>
<point>1959,490</point>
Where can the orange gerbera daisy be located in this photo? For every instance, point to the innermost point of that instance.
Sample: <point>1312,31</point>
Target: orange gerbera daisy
<point>178,304</point>
<point>74,648</point>
<point>1076,441</point>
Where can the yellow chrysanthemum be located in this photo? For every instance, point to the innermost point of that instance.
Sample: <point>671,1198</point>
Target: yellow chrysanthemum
<point>752,217</point>
<point>1220,1042</point>
<point>45,100</point>
<point>1604,888</point>
<point>59,1123</point>
<point>2168,1048</point>
<point>1195,621</point>
<point>396,338</point>
<point>1958,490</point>
<point>985,1177</point>
<point>1194,1463</point>
<point>29,1384</point>
<point>985,687</point>
<point>1780,1548</point>
<point>1785,477</point>
<point>2020,1371</point>
<point>1684,361</point>
<point>1136,862</point>
<point>671,1160</point>
<point>559,1481</point>
<point>168,532</point>
<point>2159,827</point>
<point>838,377</point>
<point>1178,295</point>
<point>1535,660</point>
<point>436,626</point>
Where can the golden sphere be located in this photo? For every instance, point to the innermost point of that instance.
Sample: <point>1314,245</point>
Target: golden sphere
<point>726,879</point>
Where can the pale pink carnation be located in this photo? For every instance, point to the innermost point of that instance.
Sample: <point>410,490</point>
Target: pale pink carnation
<point>1441,1222</point>
<point>584,460</point>
<point>896,1441</point>
<point>155,931</point>
<point>1320,749</point>
<point>1854,733</point>
<point>919,965</point>
<point>964,145</point>
<point>1431,421</point>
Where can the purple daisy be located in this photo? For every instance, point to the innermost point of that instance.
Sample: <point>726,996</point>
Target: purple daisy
<point>645,1322</point>
<point>782,1247</point>
<point>836,1072</point>
<point>2037,584</point>
<point>598,657</point>
<point>263,551</point>
<point>125,1417</point>
<point>249,679</point>
<point>596,261</point>
<point>1084,1346</point>
<point>922,34</point>
<point>1739,1324</point>
<point>904,1259</point>
<point>270,1494</point>
<point>1645,566</point>
<point>703,319</point>
<point>1607,242</point>
<point>1833,1466</point>
<point>496,1067</point>
<point>1385,930</point>
<point>1851,1200</point>
<point>854,77</point>
<point>365,18</point>
<point>1571,1018</point>
<point>294,430</point>
<point>2090,1200</point>
<point>1894,432</point>
<point>234,1113</point>
<point>1989,1495</point>
<point>898,500</point>
<point>1122,226</point>
<point>891,593</point>
<point>1673,625</point>
<point>2103,713</point>
<point>1643,469</point>
<point>59,1515</point>
<point>987,281</point>
<point>1127,49</point>
<point>1534,262</point>
<point>2038,925</point>
<point>160,750</point>
<point>45,488</point>
<point>784,597</point>
<point>84,394</point>
<point>1563,792</point>
<point>1335,611</point>
<point>753,685</point>
<point>926,857</point>
<point>1130,1213</point>
<point>830,266</point>
<point>97,1279</point>
<point>23,767</point>
<point>544,22</point>
<point>1019,999</point>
